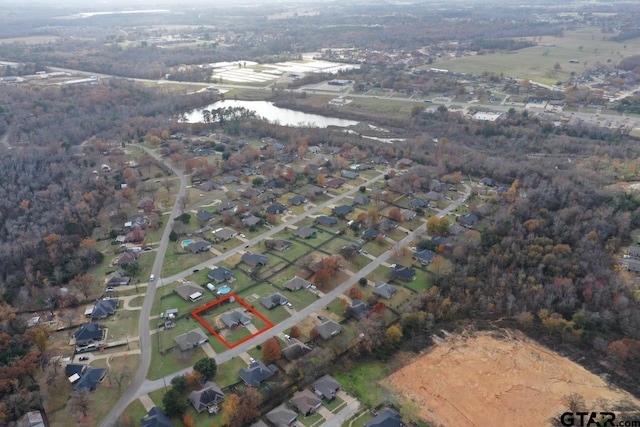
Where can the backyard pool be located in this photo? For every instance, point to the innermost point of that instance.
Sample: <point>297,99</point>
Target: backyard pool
<point>224,289</point>
<point>186,242</point>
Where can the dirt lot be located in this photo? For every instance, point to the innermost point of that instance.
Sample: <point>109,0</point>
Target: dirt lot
<point>499,379</point>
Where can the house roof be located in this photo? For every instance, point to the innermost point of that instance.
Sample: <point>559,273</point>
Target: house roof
<point>31,419</point>
<point>273,300</point>
<point>335,182</point>
<point>234,318</point>
<point>199,246</point>
<point>254,259</point>
<point>104,307</point>
<point>127,258</point>
<point>276,208</point>
<point>342,210</point>
<point>255,373</point>
<point>361,199</point>
<point>433,195</point>
<point>88,332</point>
<point>209,395</point>
<point>327,221</point>
<point>304,232</point>
<point>370,234</point>
<point>388,224</point>
<point>425,255</point>
<point>118,278</point>
<point>305,401</point>
<point>281,416</point>
<point>186,289</point>
<point>419,203</point>
<point>89,377</point>
<point>296,283</point>
<point>204,215</point>
<point>455,229</point>
<point>634,251</point>
<point>314,189</point>
<point>407,214</point>
<point>281,244</point>
<point>251,220</point>
<point>326,387</point>
<point>404,273</point>
<point>156,417</point>
<point>349,174</point>
<point>250,193</point>
<point>190,339</point>
<point>489,182</point>
<point>259,423</point>
<point>468,219</point>
<point>220,274</point>
<point>295,350</point>
<point>225,233</point>
<point>328,328</point>
<point>386,419</point>
<point>384,290</point>
<point>297,200</point>
<point>226,205</point>
<point>358,309</point>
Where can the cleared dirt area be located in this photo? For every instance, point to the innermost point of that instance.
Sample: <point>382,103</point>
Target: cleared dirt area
<point>500,379</point>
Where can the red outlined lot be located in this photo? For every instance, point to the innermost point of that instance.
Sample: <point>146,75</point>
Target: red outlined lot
<point>196,314</point>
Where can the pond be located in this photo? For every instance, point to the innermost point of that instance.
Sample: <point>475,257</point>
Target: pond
<point>273,114</point>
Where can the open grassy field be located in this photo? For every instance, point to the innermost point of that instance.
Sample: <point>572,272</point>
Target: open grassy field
<point>584,45</point>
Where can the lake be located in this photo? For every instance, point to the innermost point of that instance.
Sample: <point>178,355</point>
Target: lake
<point>273,114</point>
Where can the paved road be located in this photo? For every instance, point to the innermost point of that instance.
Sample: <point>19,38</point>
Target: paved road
<point>345,413</point>
<point>145,313</point>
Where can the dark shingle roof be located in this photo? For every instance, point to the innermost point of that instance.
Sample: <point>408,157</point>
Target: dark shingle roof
<point>156,417</point>
<point>209,395</point>
<point>255,373</point>
<point>326,387</point>
<point>220,274</point>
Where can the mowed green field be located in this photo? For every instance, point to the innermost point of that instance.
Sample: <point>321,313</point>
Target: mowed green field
<point>534,64</point>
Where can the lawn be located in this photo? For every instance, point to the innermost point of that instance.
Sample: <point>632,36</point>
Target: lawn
<point>376,248</point>
<point>275,315</point>
<point>123,323</point>
<point>176,260</point>
<point>334,245</point>
<point>174,360</point>
<point>335,307</point>
<point>298,250</point>
<point>227,373</point>
<point>335,405</point>
<point>420,283</point>
<point>300,299</point>
<point>379,274</point>
<point>135,411</point>
<point>360,382</point>
<point>315,419</point>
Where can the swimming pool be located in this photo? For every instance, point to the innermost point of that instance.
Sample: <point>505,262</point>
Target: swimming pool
<point>186,242</point>
<point>224,289</point>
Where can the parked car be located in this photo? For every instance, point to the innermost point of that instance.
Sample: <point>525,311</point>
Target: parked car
<point>84,358</point>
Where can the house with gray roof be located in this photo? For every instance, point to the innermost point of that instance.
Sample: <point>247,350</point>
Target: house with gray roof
<point>418,203</point>
<point>304,232</point>
<point>235,318</point>
<point>224,234</point>
<point>204,215</point>
<point>295,349</point>
<point>190,340</point>
<point>361,199</point>
<point>305,402</point>
<point>358,309</point>
<point>254,260</point>
<point>156,417</point>
<point>342,210</point>
<point>118,278</point>
<point>251,221</point>
<point>349,174</point>
<point>207,398</point>
<point>407,214</point>
<point>297,283</point>
<point>425,256</point>
<point>273,301</point>
<point>297,200</point>
<point>327,221</point>
<point>88,333</point>
<point>278,244</point>
<point>386,419</point>
<point>326,387</point>
<point>384,290</point>
<point>255,374</point>
<point>275,209</point>
<point>220,274</point>
<point>84,377</point>
<point>199,246</point>
<point>186,289</point>
<point>387,225</point>
<point>281,416</point>
<point>104,307</point>
<point>328,329</point>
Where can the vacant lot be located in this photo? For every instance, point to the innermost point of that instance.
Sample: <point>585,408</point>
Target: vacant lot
<point>524,383</point>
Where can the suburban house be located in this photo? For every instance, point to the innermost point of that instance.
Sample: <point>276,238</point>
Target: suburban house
<point>273,301</point>
<point>208,186</point>
<point>314,149</point>
<point>254,260</point>
<point>256,373</point>
<point>281,416</point>
<point>127,258</point>
<point>358,309</point>
<point>220,274</point>
<point>328,329</point>
<point>335,183</point>
<point>404,163</point>
<point>314,190</point>
<point>88,333</point>
<point>296,283</point>
<point>304,232</point>
<point>200,246</point>
<point>425,256</point>
<point>403,273</point>
<point>227,206</point>
<point>455,229</point>
<point>387,225</point>
<point>276,208</point>
<point>468,220</point>
<point>326,387</point>
<point>418,203</point>
<point>350,175</point>
<point>251,221</point>
<point>250,193</point>
<point>104,307</point>
<point>190,340</point>
<point>379,160</point>
<point>187,289</point>
<point>407,214</point>
<point>297,200</point>
<point>204,216</point>
<point>224,234</point>
<point>235,318</point>
<point>156,417</point>
<point>361,199</point>
<point>208,398</point>
<point>305,402</point>
<point>434,196</point>
<point>279,245</point>
<point>327,221</point>
<point>370,234</point>
<point>342,210</point>
<point>295,350</point>
<point>384,290</point>
<point>489,182</point>
<point>118,278</point>
<point>137,220</point>
<point>386,419</point>
<point>84,377</point>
